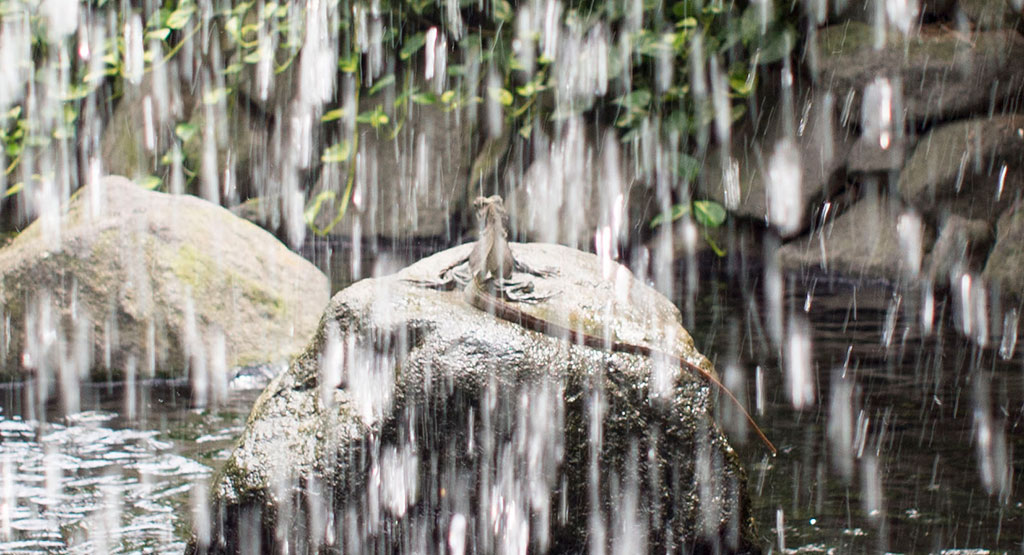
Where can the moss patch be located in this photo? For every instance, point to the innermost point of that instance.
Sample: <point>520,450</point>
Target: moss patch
<point>202,274</point>
<point>193,267</point>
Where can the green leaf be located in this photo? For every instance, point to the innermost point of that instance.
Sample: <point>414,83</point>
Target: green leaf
<point>708,213</point>
<point>683,9</point>
<point>241,8</point>
<point>687,23</point>
<point>503,11</point>
<point>678,211</point>
<point>332,115</point>
<point>424,98</point>
<point>419,5</point>
<point>741,80</point>
<point>150,182</point>
<point>233,68</point>
<point>500,95</point>
<point>412,45</point>
<point>216,95</point>
<point>750,23</point>
<point>76,92</point>
<point>636,99</point>
<point>336,153</point>
<point>738,111</point>
<point>348,64</point>
<point>158,34</point>
<point>447,96</point>
<point>688,167</point>
<point>375,117</point>
<point>777,45</point>
<point>185,131</point>
<point>179,17</point>
<point>231,26</point>
<point>15,189</point>
<point>383,82</point>
<point>256,55</point>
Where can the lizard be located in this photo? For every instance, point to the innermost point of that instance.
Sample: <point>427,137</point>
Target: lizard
<point>485,276</point>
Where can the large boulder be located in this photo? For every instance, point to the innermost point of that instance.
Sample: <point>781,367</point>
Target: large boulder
<point>130,278</point>
<point>416,422</point>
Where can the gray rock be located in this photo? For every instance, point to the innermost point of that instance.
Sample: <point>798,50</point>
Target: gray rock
<point>405,186</point>
<point>940,69</point>
<point>412,415</point>
<point>1007,257</point>
<point>961,247</point>
<point>172,284</point>
<point>863,242</point>
<point>958,168</point>
<point>820,142</point>
<point>867,156</point>
<point>992,14</point>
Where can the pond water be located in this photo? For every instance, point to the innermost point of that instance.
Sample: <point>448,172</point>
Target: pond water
<point>907,447</point>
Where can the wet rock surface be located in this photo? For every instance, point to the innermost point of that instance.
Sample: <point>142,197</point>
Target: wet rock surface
<point>415,417</point>
<point>993,14</point>
<point>945,73</point>
<point>863,242</point>
<point>971,168</point>
<point>819,151</point>
<point>940,137</point>
<point>164,284</point>
<point>1004,264</point>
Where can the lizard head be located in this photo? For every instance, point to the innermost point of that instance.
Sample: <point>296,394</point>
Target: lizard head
<point>490,213</point>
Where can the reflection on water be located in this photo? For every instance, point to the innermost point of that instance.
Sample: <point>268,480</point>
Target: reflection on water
<point>97,482</point>
<point>908,446</point>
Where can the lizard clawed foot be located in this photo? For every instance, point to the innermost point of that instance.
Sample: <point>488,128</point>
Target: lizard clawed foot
<point>538,272</point>
<point>519,291</point>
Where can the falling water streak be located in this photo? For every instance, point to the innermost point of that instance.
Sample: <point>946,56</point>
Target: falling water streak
<point>798,363</point>
<point>910,232</point>
<point>596,527</point>
<point>1001,182</point>
<point>780,529</point>
<point>784,190</point>
<point>1009,340</point>
<point>841,425</point>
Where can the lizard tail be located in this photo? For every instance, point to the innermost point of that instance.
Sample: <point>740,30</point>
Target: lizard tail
<point>721,387</point>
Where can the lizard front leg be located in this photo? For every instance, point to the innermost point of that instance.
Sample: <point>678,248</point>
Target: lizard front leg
<point>455,276</point>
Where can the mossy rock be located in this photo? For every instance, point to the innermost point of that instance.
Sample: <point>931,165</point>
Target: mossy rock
<point>167,283</point>
<point>412,411</point>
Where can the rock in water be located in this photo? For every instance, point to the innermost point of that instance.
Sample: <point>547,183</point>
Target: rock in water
<point>130,278</point>
<point>415,422</point>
